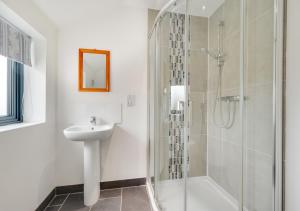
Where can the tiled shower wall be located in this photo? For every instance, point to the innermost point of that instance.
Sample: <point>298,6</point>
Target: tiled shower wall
<point>198,68</point>
<point>198,65</point>
<point>224,145</point>
<point>259,90</point>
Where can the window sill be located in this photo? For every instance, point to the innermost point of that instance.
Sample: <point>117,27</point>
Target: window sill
<point>18,126</point>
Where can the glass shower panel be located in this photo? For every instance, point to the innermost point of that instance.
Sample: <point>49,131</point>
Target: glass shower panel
<point>170,106</point>
<point>215,143</point>
<point>151,88</point>
<point>259,127</point>
<point>164,92</point>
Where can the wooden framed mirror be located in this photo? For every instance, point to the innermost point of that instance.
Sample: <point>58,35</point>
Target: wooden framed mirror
<point>94,70</point>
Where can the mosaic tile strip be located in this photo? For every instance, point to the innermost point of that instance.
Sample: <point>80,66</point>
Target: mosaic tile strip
<point>176,144</point>
<point>176,49</point>
<point>177,75</point>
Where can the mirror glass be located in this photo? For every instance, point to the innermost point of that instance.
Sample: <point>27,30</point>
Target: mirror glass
<point>94,70</point>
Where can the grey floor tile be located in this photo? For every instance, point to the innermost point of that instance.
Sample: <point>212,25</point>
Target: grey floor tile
<point>58,199</point>
<point>109,204</point>
<point>74,202</point>
<point>54,208</point>
<point>110,193</point>
<point>135,199</point>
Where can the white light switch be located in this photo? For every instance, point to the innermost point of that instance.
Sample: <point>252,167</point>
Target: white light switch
<point>131,100</point>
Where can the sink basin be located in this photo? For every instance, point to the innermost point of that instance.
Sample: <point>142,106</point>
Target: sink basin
<point>90,136</point>
<point>89,133</point>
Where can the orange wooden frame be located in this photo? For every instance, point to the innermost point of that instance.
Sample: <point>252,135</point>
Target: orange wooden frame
<point>80,81</point>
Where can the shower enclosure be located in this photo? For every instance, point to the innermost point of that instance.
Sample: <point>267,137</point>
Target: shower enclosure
<point>214,105</point>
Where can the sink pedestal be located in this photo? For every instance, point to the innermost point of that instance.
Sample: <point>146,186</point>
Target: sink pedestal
<point>91,136</point>
<point>91,172</point>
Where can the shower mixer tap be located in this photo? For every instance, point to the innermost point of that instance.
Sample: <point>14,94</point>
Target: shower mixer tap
<point>219,56</point>
<point>220,59</point>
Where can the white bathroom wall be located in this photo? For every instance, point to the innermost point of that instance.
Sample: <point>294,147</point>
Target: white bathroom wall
<point>292,151</point>
<point>123,31</point>
<point>27,155</point>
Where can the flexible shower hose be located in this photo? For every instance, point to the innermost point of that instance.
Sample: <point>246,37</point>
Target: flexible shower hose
<point>231,115</point>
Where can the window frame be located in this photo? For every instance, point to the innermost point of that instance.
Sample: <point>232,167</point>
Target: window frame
<point>15,93</point>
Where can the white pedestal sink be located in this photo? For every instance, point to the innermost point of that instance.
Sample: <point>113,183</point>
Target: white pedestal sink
<point>90,135</point>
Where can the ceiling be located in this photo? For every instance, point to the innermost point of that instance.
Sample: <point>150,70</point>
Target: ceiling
<point>63,12</point>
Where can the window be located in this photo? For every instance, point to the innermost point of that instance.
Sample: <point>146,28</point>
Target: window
<point>3,86</point>
<point>11,91</point>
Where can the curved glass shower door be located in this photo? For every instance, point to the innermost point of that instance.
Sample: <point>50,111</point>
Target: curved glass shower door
<point>167,104</point>
<point>212,89</point>
<point>151,90</point>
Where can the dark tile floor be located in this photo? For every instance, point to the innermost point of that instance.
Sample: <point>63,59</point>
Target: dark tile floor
<point>123,199</point>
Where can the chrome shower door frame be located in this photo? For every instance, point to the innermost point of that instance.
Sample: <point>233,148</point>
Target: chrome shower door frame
<point>278,101</point>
